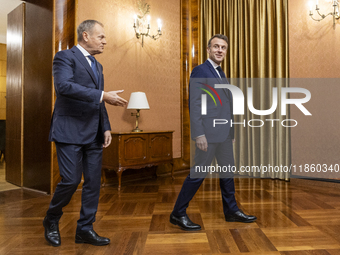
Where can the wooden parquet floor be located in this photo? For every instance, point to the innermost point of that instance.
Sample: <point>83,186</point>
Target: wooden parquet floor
<point>293,219</point>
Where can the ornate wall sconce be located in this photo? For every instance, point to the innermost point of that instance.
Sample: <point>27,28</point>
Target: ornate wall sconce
<point>141,22</point>
<point>334,13</point>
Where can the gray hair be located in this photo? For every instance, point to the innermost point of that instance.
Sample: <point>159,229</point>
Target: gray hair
<point>220,36</point>
<point>86,26</point>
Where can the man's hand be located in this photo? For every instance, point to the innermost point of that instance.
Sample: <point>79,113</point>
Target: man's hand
<point>107,138</point>
<point>201,143</point>
<point>113,98</point>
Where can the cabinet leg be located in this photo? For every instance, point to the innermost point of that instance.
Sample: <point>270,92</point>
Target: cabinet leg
<point>119,175</point>
<point>103,179</point>
<point>172,171</point>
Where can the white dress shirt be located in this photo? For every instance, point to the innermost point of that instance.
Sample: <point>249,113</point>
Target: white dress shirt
<point>215,66</point>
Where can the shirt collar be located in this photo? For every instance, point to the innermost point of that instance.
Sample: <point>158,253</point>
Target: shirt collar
<point>213,63</point>
<point>85,53</point>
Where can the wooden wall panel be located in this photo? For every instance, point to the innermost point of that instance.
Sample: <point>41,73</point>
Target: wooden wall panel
<point>65,21</point>
<point>37,91</point>
<point>64,38</point>
<point>29,92</point>
<point>14,79</point>
<point>189,59</point>
<point>3,61</point>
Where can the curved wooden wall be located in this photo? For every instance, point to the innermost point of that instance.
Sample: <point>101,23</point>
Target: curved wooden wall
<point>189,59</point>
<point>64,38</point>
<point>28,82</point>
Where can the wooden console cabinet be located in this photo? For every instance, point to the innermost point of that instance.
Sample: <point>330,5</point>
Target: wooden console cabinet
<point>136,150</point>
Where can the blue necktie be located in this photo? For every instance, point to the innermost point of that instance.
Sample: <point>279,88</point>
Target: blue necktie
<point>219,69</point>
<point>94,67</point>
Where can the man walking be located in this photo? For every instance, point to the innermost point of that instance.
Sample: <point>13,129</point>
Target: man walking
<point>80,129</point>
<point>211,140</point>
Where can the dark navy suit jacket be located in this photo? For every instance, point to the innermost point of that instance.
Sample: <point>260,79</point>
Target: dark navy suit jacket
<point>203,75</point>
<point>78,115</point>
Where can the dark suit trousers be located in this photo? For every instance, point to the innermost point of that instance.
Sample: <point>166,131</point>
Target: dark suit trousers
<point>225,157</point>
<point>75,160</point>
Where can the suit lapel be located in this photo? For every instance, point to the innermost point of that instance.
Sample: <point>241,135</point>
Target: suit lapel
<point>82,59</point>
<point>213,71</point>
<point>221,81</point>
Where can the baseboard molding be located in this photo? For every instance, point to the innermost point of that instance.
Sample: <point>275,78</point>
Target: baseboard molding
<point>175,173</point>
<point>327,183</point>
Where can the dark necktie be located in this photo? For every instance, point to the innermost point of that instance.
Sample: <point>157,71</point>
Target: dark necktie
<point>94,67</point>
<point>219,69</point>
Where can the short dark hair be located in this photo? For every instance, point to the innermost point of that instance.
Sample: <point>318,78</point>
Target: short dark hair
<point>86,26</point>
<point>220,36</point>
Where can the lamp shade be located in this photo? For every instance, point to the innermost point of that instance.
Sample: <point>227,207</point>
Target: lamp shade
<point>138,101</point>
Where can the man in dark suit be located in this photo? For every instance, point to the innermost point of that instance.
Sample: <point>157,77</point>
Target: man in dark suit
<point>80,129</point>
<point>211,140</point>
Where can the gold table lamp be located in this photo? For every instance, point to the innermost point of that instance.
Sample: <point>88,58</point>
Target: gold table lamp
<point>139,102</point>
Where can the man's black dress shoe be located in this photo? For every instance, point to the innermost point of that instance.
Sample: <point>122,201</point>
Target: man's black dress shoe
<point>91,237</point>
<point>184,222</point>
<point>52,234</point>
<point>239,216</point>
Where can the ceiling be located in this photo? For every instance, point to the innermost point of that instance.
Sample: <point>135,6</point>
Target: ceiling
<point>6,7</point>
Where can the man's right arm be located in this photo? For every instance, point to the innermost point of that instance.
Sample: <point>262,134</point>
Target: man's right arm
<point>197,130</point>
<point>64,80</point>
<point>63,73</point>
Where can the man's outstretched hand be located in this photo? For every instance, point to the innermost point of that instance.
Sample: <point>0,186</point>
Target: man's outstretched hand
<point>112,98</point>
